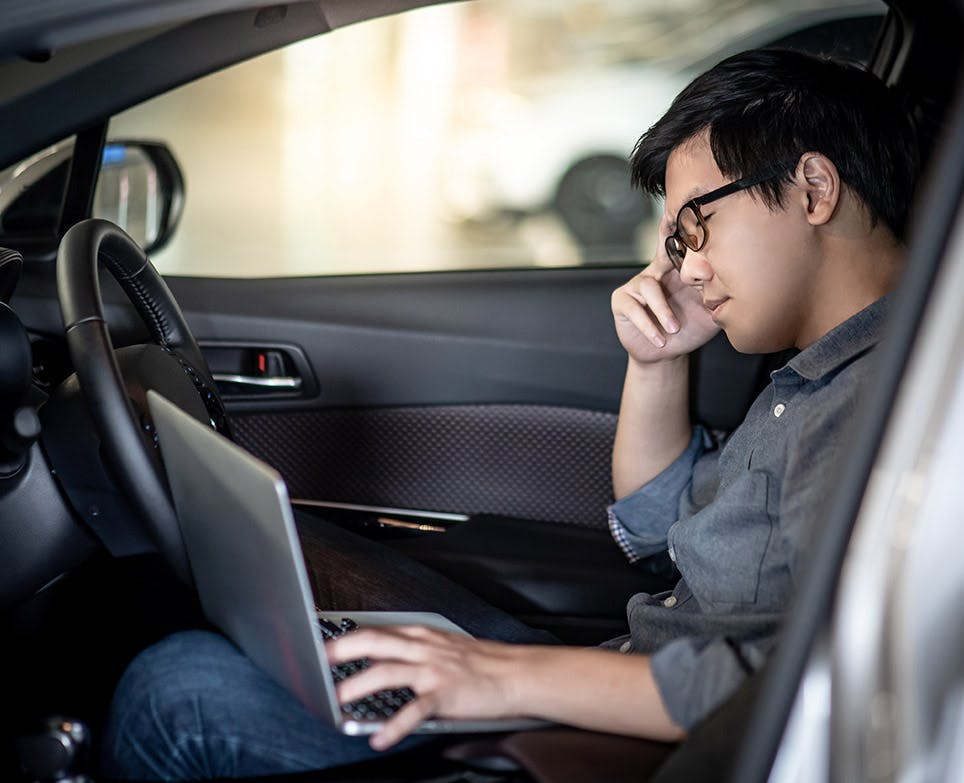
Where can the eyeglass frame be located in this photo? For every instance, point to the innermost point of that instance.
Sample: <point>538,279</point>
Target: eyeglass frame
<point>675,243</point>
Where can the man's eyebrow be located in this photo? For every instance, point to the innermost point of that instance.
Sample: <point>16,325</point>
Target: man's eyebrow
<point>695,192</point>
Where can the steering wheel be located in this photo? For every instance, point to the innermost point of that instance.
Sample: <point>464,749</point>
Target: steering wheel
<point>114,383</point>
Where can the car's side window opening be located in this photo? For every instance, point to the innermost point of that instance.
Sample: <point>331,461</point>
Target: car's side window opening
<point>503,147</point>
<point>32,193</point>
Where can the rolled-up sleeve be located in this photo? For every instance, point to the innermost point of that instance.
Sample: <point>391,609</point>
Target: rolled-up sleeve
<point>694,676</point>
<point>639,522</point>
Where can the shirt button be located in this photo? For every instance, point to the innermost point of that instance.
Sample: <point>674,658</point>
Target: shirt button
<point>625,647</point>
<point>670,602</point>
<point>778,411</point>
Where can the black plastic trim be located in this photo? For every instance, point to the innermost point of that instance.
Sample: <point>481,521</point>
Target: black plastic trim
<point>41,536</point>
<point>84,170</point>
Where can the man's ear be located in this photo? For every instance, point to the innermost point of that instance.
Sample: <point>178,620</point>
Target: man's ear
<point>820,184</point>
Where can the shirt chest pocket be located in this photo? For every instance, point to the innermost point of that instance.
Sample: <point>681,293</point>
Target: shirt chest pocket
<point>721,550</point>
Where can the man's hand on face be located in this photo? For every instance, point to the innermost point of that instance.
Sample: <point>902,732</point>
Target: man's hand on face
<point>453,676</point>
<point>658,317</point>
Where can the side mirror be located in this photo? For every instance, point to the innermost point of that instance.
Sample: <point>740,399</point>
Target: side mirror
<point>141,189</point>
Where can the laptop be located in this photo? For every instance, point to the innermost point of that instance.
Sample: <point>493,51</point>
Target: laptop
<point>240,538</point>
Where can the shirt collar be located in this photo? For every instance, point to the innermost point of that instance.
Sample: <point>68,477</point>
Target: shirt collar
<point>842,343</point>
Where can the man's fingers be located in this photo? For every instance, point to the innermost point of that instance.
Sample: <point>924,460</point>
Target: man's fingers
<point>403,723</point>
<point>377,677</point>
<point>640,316</point>
<point>652,295</point>
<point>377,643</point>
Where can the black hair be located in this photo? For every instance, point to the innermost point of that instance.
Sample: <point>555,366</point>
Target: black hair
<point>769,105</point>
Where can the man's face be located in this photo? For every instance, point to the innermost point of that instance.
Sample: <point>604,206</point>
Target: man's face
<point>755,272</point>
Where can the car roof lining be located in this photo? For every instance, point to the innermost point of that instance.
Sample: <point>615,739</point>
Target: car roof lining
<point>31,27</point>
<point>23,75</point>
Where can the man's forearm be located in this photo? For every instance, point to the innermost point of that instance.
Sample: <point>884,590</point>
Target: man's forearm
<point>591,688</point>
<point>654,423</point>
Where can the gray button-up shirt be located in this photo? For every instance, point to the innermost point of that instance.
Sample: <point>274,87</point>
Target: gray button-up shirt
<point>738,522</point>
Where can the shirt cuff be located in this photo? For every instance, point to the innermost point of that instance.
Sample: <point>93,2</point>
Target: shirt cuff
<point>695,676</point>
<point>640,521</point>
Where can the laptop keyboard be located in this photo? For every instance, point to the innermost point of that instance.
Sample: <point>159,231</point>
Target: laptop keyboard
<point>377,706</point>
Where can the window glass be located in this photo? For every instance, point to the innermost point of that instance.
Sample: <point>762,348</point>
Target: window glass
<point>32,193</point>
<point>484,134</point>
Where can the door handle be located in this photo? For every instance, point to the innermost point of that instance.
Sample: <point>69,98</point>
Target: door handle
<point>254,381</point>
<point>256,374</point>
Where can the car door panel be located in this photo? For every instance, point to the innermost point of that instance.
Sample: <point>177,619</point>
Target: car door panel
<point>526,336</point>
<point>468,393</point>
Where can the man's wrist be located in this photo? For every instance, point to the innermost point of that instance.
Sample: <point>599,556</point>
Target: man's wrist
<point>521,678</point>
<point>657,375</point>
<point>667,362</point>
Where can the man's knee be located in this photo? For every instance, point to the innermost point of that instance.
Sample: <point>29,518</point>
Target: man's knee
<point>186,662</point>
<point>171,695</point>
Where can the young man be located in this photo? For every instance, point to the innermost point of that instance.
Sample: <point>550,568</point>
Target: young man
<point>786,183</point>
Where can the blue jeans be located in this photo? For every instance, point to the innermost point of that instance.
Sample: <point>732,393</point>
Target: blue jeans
<point>194,707</point>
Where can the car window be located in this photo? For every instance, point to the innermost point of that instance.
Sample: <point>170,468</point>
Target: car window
<point>470,135</point>
<point>32,193</point>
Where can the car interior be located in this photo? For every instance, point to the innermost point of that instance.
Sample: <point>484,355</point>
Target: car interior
<point>465,418</point>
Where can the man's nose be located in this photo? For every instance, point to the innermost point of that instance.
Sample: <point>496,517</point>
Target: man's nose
<point>695,269</point>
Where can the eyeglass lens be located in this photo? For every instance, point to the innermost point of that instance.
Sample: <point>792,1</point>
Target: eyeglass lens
<point>690,228</point>
<point>690,233</point>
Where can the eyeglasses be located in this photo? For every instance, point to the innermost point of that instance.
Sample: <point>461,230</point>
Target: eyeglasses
<point>691,229</point>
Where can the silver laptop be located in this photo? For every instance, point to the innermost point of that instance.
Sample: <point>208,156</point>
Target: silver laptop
<point>240,538</point>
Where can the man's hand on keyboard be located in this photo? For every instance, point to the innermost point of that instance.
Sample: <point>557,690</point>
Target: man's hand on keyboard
<point>453,676</point>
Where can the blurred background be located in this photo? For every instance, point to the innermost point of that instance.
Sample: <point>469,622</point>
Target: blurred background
<point>470,135</point>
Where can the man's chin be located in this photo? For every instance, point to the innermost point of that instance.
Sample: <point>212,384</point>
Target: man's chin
<point>751,343</point>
